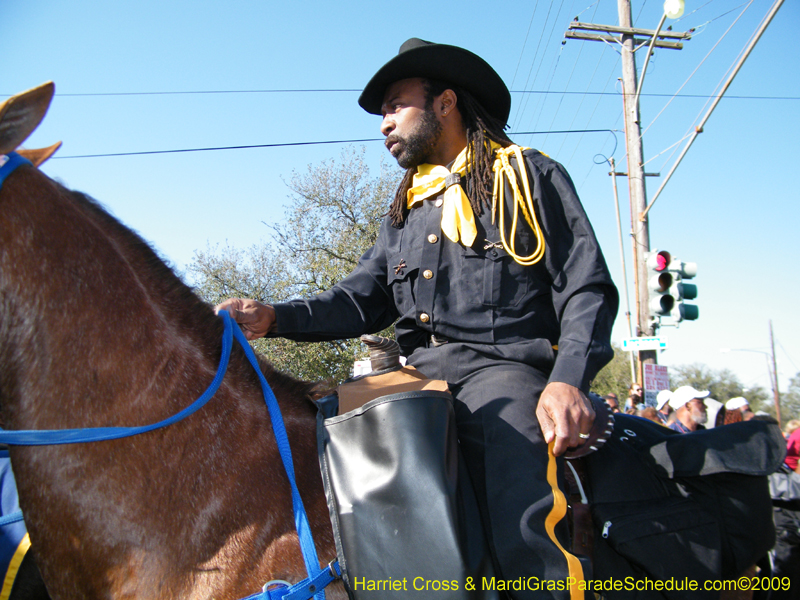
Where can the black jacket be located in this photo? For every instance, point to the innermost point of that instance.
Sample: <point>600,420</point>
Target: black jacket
<point>430,285</point>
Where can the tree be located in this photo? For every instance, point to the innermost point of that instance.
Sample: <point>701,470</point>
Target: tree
<point>790,401</point>
<point>615,376</point>
<point>722,385</point>
<point>333,216</point>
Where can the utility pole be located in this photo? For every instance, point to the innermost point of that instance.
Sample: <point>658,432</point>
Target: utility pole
<point>622,260</point>
<point>775,391</point>
<point>630,39</point>
<point>640,231</point>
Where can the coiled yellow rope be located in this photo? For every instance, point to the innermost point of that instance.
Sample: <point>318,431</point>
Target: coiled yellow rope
<point>458,220</point>
<point>503,171</point>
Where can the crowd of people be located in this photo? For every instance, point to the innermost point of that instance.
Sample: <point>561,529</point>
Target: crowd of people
<point>684,409</point>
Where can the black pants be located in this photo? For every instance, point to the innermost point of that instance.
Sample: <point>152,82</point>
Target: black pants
<point>495,394</point>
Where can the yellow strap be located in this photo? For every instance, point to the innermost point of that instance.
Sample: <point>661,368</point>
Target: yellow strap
<point>13,567</point>
<point>557,513</point>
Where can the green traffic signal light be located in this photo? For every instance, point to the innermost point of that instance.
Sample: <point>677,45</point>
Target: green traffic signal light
<point>687,312</point>
<point>683,291</point>
<point>687,291</point>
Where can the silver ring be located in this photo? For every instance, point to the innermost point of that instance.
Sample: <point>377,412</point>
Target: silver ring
<point>583,436</point>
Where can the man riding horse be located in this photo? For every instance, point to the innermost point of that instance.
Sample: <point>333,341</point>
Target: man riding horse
<point>514,312</point>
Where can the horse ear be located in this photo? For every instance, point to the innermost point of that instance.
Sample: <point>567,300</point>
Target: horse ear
<point>21,114</point>
<point>38,155</point>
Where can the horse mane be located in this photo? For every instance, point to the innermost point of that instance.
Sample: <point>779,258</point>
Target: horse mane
<point>185,305</point>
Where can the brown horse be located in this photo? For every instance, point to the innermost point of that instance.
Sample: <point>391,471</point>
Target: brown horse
<point>96,331</point>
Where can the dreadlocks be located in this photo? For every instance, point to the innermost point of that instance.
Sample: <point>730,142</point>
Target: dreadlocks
<point>481,128</point>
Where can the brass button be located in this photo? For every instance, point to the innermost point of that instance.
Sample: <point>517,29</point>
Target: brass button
<point>438,202</point>
<point>427,274</point>
<point>433,238</point>
<point>424,317</point>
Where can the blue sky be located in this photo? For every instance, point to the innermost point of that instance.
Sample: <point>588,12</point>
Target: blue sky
<point>731,206</point>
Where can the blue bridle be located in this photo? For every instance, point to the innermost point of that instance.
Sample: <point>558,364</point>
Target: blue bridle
<point>8,164</point>
<point>317,578</point>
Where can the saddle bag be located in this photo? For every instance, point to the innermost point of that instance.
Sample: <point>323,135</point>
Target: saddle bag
<point>680,507</point>
<point>404,515</point>
<point>784,487</point>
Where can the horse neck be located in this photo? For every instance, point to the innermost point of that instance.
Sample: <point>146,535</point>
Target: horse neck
<point>90,311</point>
<point>96,331</point>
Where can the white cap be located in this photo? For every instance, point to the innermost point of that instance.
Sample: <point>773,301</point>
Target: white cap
<point>685,393</point>
<point>735,403</point>
<point>662,398</point>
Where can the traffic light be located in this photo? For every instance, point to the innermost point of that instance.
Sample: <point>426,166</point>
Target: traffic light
<point>667,289</point>
<point>683,291</point>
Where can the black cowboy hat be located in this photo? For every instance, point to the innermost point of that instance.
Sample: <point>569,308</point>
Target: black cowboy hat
<point>418,58</point>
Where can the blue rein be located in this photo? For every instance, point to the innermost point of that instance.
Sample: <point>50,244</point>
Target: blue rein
<point>317,578</point>
<point>50,437</point>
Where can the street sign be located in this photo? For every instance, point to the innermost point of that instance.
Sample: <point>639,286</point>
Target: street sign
<point>644,343</point>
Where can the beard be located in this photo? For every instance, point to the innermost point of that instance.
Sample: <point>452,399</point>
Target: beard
<point>699,416</point>
<point>414,148</point>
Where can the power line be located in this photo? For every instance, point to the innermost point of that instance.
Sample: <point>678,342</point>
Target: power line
<point>217,148</point>
<point>596,106</point>
<point>170,93</point>
<point>520,109</point>
<point>524,43</point>
<point>556,63</point>
<point>253,146</point>
<point>588,85</point>
<point>703,25</point>
<point>344,90</point>
<point>656,95</point>
<point>710,52</point>
<point>569,79</point>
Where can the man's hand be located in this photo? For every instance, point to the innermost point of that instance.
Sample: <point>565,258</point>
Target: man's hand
<point>563,413</point>
<point>255,319</point>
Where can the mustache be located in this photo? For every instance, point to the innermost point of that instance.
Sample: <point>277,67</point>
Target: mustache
<point>392,139</point>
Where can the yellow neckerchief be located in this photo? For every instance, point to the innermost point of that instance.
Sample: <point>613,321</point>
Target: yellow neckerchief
<point>458,220</point>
